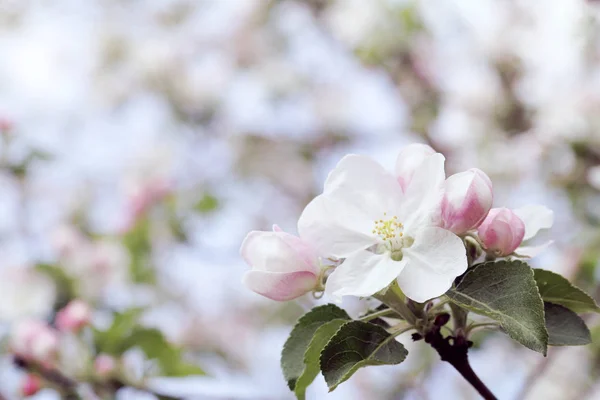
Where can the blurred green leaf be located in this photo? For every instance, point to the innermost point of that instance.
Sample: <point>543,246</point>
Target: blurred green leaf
<point>292,355</point>
<point>556,289</point>
<point>111,340</point>
<point>506,292</point>
<point>65,285</point>
<point>155,346</point>
<point>137,241</point>
<point>125,333</point>
<point>565,328</point>
<point>358,344</point>
<point>207,204</point>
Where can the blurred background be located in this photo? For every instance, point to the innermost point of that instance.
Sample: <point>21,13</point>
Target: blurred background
<point>141,141</point>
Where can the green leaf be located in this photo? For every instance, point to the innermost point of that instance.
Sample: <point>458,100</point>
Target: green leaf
<point>292,356</point>
<point>207,204</point>
<point>137,241</point>
<point>506,292</point>
<point>156,347</point>
<point>110,341</point>
<point>355,345</point>
<point>565,328</point>
<point>312,354</point>
<point>125,334</point>
<point>65,284</point>
<point>555,289</point>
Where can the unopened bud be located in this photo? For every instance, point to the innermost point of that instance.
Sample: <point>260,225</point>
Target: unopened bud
<point>467,200</point>
<point>501,232</point>
<point>416,336</point>
<point>441,319</point>
<point>105,365</point>
<point>283,266</point>
<point>74,316</point>
<point>31,385</point>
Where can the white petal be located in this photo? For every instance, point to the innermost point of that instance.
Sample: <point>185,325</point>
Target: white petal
<point>438,256</point>
<point>424,194</point>
<point>532,251</point>
<point>420,284</point>
<point>363,274</point>
<point>335,228</point>
<point>365,184</point>
<point>409,159</point>
<point>535,218</point>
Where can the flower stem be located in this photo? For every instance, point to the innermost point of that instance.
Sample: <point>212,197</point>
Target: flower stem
<point>472,327</point>
<point>439,306</point>
<point>381,313</point>
<point>395,299</point>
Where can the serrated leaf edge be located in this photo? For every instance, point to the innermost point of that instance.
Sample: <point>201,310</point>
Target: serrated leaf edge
<point>545,352</point>
<point>353,370</point>
<point>296,325</point>
<point>309,345</point>
<point>597,307</point>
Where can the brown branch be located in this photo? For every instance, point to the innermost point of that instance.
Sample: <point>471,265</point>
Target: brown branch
<point>454,351</point>
<point>68,386</point>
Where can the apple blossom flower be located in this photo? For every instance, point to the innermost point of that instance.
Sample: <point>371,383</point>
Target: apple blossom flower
<point>467,200</point>
<point>408,161</point>
<point>74,316</point>
<point>31,385</point>
<point>104,365</point>
<point>35,340</point>
<point>385,230</point>
<point>283,266</point>
<point>501,232</point>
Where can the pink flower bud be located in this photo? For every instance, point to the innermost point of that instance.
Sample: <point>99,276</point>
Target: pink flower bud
<point>502,231</point>
<point>467,200</point>
<point>31,385</point>
<point>283,266</point>
<point>35,340</point>
<point>105,365</point>
<point>74,316</point>
<point>409,160</point>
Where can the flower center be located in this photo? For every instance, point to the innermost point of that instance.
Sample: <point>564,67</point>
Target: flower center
<point>389,229</point>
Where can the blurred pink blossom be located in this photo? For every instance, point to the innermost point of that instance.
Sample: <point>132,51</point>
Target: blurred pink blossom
<point>74,316</point>
<point>31,385</point>
<point>35,340</point>
<point>104,365</point>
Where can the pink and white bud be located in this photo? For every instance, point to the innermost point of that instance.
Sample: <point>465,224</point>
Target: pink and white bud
<point>35,340</point>
<point>283,266</point>
<point>501,232</point>
<point>467,200</point>
<point>31,385</point>
<point>409,160</point>
<point>74,316</point>
<point>105,365</point>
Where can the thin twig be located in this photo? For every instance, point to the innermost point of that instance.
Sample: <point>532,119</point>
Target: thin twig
<point>68,386</point>
<point>381,313</point>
